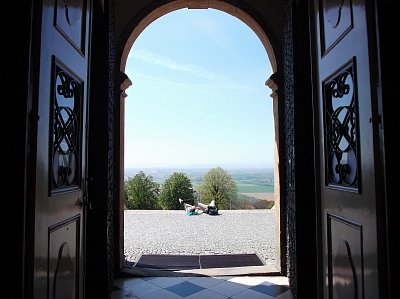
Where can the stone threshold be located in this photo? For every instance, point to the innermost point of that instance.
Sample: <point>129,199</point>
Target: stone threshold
<point>266,270</point>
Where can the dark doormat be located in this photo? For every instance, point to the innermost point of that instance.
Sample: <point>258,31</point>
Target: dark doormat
<point>168,262</point>
<point>187,262</point>
<point>229,260</point>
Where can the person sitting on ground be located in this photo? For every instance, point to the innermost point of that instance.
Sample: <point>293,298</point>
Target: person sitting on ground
<point>210,209</point>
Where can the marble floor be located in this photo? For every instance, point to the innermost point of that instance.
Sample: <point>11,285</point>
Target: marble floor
<point>218,287</point>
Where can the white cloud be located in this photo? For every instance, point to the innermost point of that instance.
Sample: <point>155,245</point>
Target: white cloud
<point>167,63</point>
<point>159,80</point>
<point>202,88</point>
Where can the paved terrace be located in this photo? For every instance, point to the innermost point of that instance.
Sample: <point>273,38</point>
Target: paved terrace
<point>174,232</point>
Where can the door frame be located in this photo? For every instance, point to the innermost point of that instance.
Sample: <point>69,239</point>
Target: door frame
<point>139,23</point>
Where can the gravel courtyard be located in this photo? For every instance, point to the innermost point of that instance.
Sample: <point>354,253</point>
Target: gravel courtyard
<point>174,232</point>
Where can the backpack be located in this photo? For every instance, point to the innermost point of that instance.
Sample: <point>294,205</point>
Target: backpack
<point>212,211</point>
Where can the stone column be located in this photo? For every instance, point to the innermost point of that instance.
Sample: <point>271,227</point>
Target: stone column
<point>272,83</point>
<point>124,83</point>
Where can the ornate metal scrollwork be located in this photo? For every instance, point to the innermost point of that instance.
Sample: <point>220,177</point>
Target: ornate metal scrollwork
<point>66,130</point>
<point>341,130</point>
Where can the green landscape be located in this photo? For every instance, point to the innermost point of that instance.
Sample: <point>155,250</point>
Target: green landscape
<point>255,186</point>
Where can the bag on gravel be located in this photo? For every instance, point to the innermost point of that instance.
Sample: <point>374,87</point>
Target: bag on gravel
<point>212,210</point>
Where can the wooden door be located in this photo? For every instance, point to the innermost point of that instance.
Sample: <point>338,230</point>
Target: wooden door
<point>62,96</point>
<point>346,148</point>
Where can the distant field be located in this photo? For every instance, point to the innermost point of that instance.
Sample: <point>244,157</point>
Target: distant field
<point>251,188</point>
<point>260,195</point>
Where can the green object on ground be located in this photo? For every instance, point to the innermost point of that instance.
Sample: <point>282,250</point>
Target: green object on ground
<point>192,213</point>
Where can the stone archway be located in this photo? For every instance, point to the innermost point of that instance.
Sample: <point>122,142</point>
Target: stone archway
<point>199,4</point>
<point>273,83</point>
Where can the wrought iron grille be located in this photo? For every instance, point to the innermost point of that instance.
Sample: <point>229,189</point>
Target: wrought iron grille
<point>341,130</point>
<point>67,100</point>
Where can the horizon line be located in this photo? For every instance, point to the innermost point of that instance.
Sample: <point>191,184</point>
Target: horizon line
<point>198,166</point>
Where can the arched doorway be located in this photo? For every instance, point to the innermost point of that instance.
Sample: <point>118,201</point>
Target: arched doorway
<point>272,82</point>
<point>297,34</point>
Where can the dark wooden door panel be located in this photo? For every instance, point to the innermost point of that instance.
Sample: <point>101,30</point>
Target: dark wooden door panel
<point>64,258</point>
<point>345,149</point>
<point>61,149</point>
<point>336,21</point>
<point>345,257</point>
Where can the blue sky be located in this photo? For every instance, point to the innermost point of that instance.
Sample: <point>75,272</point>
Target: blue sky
<point>198,96</point>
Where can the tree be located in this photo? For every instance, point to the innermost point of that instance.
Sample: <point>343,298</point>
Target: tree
<point>218,185</point>
<point>178,185</point>
<point>141,192</point>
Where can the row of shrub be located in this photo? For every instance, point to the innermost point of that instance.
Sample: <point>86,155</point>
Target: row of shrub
<point>142,192</point>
